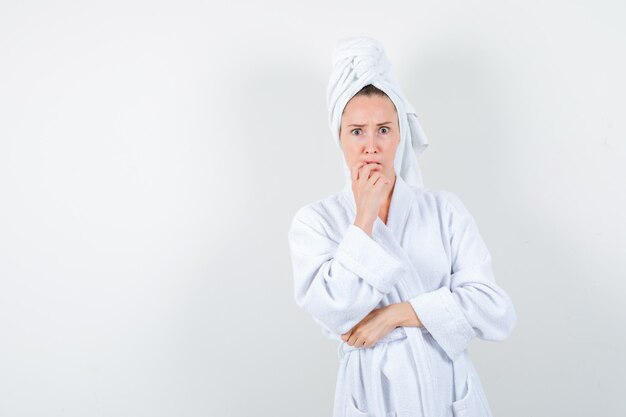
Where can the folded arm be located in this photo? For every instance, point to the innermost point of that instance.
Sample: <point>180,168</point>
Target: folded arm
<point>339,283</point>
<point>473,305</point>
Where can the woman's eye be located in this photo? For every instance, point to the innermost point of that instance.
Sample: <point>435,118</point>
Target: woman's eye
<point>356,130</point>
<point>384,130</point>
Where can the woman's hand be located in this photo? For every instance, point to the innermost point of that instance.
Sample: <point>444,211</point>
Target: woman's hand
<point>368,187</point>
<point>378,323</point>
<point>373,327</point>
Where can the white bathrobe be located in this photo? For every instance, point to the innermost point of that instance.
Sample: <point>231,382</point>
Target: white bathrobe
<point>429,253</point>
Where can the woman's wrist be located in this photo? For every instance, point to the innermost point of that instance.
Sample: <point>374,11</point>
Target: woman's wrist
<point>404,315</point>
<point>366,226</point>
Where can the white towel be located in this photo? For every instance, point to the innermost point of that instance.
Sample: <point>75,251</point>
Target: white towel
<point>357,62</point>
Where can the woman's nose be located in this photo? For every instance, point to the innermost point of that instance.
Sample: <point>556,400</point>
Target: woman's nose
<point>370,145</point>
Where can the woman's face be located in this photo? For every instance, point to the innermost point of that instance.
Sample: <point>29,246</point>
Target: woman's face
<point>369,132</point>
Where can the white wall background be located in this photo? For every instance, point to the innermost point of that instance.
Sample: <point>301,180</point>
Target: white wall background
<point>152,155</point>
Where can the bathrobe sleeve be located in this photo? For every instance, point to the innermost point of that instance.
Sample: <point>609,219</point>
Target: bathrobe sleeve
<point>474,305</point>
<point>338,283</point>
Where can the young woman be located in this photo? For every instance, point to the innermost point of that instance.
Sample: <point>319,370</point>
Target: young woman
<point>397,273</point>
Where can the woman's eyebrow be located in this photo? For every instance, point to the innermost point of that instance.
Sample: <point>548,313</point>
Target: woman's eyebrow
<point>379,124</point>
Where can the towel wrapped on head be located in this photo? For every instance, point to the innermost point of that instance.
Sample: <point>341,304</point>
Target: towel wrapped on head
<point>357,62</point>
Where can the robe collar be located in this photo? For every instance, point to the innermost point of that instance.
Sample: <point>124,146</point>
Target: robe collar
<point>399,207</point>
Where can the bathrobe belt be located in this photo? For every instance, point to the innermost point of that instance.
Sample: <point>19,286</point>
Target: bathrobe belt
<point>380,351</point>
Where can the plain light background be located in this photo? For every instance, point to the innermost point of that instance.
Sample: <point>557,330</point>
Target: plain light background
<point>152,155</point>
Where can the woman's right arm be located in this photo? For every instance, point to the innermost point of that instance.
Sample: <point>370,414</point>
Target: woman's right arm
<point>338,283</point>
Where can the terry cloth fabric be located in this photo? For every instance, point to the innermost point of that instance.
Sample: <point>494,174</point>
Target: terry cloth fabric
<point>357,62</point>
<point>341,274</point>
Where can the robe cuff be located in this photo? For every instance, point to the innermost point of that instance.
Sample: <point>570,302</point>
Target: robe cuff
<point>368,259</point>
<point>444,320</point>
